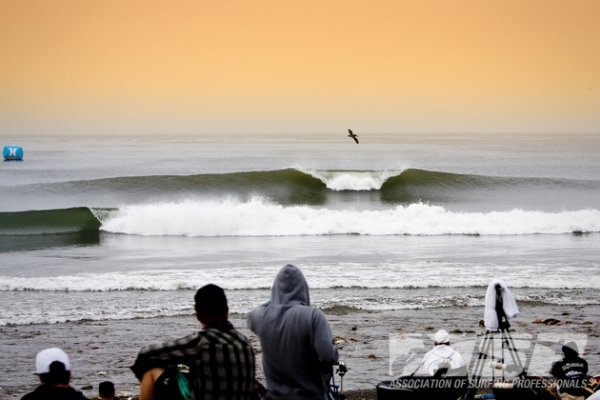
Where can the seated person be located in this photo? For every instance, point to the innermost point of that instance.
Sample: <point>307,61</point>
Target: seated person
<point>54,372</point>
<point>570,371</point>
<point>106,390</point>
<point>442,356</point>
<point>220,359</point>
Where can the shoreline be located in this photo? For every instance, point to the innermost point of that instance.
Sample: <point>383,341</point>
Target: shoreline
<point>371,343</point>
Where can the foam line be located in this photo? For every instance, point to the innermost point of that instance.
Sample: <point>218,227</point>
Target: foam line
<point>258,217</point>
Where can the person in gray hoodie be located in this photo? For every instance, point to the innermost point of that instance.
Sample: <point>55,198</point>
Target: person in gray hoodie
<point>298,351</point>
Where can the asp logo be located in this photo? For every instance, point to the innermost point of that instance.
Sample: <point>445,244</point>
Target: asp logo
<point>536,353</point>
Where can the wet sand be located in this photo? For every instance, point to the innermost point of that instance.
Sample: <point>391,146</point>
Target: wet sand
<point>104,350</point>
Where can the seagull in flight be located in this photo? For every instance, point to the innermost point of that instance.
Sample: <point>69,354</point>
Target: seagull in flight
<point>352,135</point>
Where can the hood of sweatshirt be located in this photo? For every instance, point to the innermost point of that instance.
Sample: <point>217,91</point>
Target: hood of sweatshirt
<point>290,287</point>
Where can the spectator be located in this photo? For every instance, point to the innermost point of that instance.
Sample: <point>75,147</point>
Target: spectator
<point>441,356</point>
<point>219,358</point>
<point>106,390</point>
<point>570,371</point>
<point>298,351</point>
<point>53,369</point>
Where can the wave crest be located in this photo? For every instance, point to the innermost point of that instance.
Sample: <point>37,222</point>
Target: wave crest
<point>260,218</point>
<point>352,180</point>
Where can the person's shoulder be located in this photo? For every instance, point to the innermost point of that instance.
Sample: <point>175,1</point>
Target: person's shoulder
<point>77,395</point>
<point>241,337</point>
<point>225,333</point>
<point>44,392</point>
<point>457,356</point>
<point>30,396</point>
<point>454,351</point>
<point>317,315</point>
<point>37,393</point>
<point>259,309</point>
<point>235,332</point>
<point>314,311</point>
<point>429,353</point>
<point>188,340</point>
<point>70,393</point>
<point>255,314</point>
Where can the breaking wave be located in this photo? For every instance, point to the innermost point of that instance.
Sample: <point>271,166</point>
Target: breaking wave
<point>259,217</point>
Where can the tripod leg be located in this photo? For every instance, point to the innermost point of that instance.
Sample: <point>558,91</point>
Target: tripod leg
<point>479,363</point>
<point>512,349</point>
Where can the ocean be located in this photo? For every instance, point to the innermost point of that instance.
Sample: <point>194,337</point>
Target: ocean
<point>128,227</point>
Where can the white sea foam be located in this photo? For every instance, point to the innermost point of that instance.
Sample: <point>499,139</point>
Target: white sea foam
<point>359,276</point>
<point>367,286</point>
<point>352,180</point>
<point>33,308</point>
<point>260,218</point>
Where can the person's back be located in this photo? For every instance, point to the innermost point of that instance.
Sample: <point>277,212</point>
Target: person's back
<point>297,344</point>
<point>441,356</point>
<point>47,392</point>
<point>220,359</point>
<point>571,371</point>
<point>54,372</point>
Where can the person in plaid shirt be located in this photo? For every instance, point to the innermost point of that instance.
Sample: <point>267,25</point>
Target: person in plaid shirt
<point>219,358</point>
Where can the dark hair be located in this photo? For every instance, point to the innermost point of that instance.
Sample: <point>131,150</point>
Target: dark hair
<point>211,301</point>
<point>106,389</point>
<point>58,374</point>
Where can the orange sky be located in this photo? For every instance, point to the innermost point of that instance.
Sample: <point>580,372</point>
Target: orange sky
<point>290,66</point>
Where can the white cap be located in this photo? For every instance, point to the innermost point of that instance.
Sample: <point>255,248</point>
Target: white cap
<point>442,336</point>
<point>46,357</point>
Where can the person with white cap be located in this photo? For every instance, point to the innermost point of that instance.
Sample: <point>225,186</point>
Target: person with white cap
<point>53,369</point>
<point>441,356</point>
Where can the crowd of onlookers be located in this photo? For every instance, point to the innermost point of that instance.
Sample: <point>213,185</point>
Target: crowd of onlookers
<point>217,362</point>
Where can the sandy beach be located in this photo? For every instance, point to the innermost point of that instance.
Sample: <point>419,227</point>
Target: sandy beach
<point>366,341</point>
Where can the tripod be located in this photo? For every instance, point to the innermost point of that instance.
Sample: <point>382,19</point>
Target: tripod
<point>336,392</point>
<point>487,349</point>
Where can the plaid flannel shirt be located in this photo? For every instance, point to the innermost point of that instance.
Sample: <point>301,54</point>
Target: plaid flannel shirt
<point>220,359</point>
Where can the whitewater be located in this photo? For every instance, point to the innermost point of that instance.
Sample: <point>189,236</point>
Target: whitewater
<point>111,229</point>
<point>260,218</point>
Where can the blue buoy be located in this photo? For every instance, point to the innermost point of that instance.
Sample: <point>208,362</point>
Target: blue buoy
<point>13,152</point>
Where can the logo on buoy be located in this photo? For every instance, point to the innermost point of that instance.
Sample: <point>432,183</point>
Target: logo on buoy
<point>13,152</point>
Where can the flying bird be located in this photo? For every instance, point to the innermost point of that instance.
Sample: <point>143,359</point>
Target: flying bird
<point>352,135</point>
